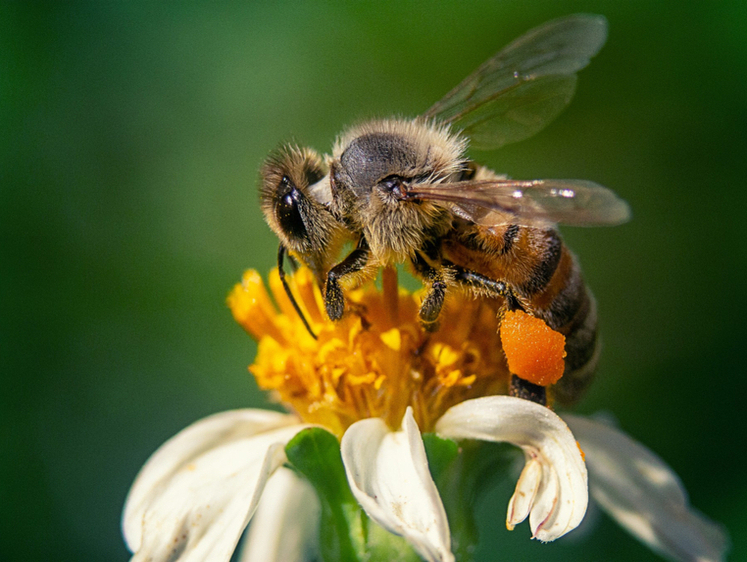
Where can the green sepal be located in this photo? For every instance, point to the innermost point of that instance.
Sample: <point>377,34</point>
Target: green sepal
<point>383,545</point>
<point>441,453</point>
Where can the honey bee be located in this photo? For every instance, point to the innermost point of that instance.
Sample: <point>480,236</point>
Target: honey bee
<point>403,191</point>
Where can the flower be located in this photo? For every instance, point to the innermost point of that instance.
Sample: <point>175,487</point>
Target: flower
<point>376,380</point>
<point>644,495</point>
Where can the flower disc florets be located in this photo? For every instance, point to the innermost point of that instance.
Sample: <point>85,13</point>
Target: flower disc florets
<point>377,360</point>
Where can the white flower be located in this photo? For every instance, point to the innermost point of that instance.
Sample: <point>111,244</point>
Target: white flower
<point>375,379</point>
<point>552,488</point>
<point>644,495</point>
<point>194,497</point>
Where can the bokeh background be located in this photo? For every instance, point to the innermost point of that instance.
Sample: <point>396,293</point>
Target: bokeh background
<point>131,138</point>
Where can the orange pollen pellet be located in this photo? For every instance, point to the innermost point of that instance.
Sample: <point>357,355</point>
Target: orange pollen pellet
<point>534,351</point>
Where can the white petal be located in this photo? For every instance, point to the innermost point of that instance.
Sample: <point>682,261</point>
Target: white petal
<point>644,495</point>
<point>388,474</point>
<point>286,525</point>
<point>561,498</point>
<point>195,495</point>
<point>526,491</point>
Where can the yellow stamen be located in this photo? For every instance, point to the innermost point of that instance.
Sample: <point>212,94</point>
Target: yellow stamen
<point>377,360</point>
<point>392,339</point>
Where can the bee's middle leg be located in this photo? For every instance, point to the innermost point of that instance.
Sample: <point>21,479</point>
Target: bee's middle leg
<point>433,302</point>
<point>334,299</point>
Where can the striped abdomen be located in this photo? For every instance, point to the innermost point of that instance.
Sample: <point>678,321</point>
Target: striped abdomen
<point>546,279</point>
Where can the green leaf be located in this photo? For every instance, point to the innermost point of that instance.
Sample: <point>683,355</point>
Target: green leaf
<point>315,453</point>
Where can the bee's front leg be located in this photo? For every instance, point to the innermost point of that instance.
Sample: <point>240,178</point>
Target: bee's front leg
<point>334,299</point>
<point>433,302</point>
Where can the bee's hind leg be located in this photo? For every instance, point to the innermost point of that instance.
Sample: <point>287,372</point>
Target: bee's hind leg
<point>518,387</point>
<point>521,388</point>
<point>487,286</point>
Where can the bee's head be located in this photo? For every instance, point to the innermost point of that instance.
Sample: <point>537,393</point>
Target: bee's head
<point>294,194</point>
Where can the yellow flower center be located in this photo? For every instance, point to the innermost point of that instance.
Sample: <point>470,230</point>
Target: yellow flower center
<point>374,362</point>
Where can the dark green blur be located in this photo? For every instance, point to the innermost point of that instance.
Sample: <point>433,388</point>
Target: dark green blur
<point>131,138</point>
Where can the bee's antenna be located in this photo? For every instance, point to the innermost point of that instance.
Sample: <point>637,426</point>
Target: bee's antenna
<point>281,272</point>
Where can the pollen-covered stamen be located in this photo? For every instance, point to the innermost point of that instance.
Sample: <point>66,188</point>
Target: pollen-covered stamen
<point>377,360</point>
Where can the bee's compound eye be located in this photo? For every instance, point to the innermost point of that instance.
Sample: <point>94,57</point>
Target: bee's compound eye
<point>288,212</point>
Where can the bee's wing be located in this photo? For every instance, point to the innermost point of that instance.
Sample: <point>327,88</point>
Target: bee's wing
<point>525,86</point>
<point>528,202</point>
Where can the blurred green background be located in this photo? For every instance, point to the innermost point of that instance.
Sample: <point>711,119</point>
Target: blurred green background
<point>131,138</point>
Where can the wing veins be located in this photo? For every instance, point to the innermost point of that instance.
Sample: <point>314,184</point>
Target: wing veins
<point>572,202</point>
<point>557,49</point>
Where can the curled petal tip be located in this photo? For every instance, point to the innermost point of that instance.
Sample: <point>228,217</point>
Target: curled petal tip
<point>552,489</point>
<point>526,490</point>
<point>196,494</point>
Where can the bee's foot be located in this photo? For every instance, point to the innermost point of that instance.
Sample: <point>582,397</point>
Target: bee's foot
<point>430,326</point>
<point>334,301</point>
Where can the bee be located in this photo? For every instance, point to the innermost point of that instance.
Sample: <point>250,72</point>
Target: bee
<point>403,191</point>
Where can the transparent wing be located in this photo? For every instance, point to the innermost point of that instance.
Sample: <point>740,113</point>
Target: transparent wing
<point>525,86</point>
<point>529,202</point>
